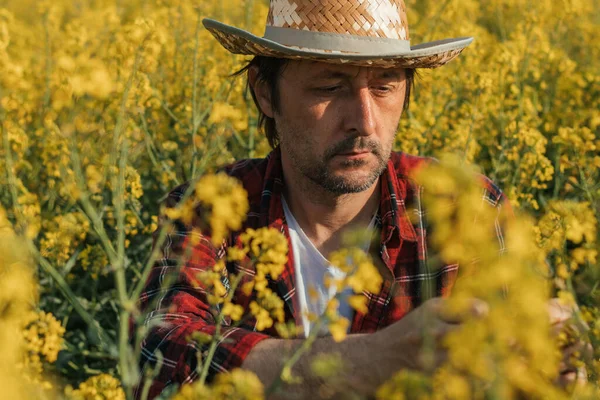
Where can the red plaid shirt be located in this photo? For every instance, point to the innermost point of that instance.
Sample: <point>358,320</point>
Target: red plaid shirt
<point>182,309</point>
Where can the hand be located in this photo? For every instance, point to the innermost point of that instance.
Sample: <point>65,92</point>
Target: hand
<point>418,337</point>
<point>561,320</point>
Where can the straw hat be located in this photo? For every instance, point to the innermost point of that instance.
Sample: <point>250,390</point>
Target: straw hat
<point>355,32</point>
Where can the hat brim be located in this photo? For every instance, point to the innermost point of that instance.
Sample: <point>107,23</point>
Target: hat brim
<point>425,55</point>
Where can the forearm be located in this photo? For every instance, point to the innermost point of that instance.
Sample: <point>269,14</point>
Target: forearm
<point>366,366</point>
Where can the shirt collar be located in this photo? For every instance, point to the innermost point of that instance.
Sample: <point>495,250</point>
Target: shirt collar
<point>271,207</point>
<point>395,187</point>
<point>394,193</point>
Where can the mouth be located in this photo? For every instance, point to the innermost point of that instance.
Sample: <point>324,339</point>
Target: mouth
<point>354,153</point>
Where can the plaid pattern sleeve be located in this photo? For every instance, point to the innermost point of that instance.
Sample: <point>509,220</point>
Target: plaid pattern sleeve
<point>176,306</point>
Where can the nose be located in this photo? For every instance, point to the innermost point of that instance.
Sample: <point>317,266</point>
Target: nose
<point>360,117</point>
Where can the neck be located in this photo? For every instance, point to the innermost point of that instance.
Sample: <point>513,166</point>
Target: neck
<point>324,216</point>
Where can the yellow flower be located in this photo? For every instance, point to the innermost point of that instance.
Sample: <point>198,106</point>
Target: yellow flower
<point>358,302</point>
<point>406,385</point>
<point>222,112</point>
<point>43,339</point>
<point>240,384</point>
<point>338,328</point>
<point>235,254</point>
<point>267,306</point>
<point>263,319</point>
<point>99,387</point>
<point>362,274</point>
<point>62,235</point>
<point>194,391</point>
<point>227,201</point>
<point>268,248</point>
<point>287,330</point>
<point>18,292</point>
<point>224,202</point>
<point>234,311</point>
<point>93,259</point>
<point>327,365</point>
<point>237,384</point>
<point>514,335</point>
<point>211,281</point>
<point>95,81</point>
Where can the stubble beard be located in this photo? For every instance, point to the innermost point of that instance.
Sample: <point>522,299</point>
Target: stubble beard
<point>316,168</point>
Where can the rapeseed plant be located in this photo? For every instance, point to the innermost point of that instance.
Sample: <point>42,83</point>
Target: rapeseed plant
<point>105,106</point>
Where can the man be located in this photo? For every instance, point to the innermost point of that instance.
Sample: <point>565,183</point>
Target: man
<point>331,80</point>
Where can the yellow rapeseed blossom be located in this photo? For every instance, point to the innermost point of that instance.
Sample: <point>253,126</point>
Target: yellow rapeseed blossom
<point>98,387</point>
<point>44,335</point>
<point>222,112</point>
<point>267,248</point>
<point>225,203</point>
<point>233,311</point>
<point>406,385</point>
<point>568,234</point>
<point>361,276</point>
<point>62,235</point>
<point>94,261</point>
<point>267,308</point>
<point>237,384</point>
<point>338,327</point>
<point>327,365</point>
<point>212,282</point>
<point>17,295</point>
<point>513,341</point>
<point>17,288</point>
<point>43,339</point>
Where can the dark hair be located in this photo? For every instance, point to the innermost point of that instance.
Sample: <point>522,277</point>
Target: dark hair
<point>269,70</point>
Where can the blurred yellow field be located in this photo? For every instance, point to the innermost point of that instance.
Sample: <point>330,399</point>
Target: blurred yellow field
<point>107,105</point>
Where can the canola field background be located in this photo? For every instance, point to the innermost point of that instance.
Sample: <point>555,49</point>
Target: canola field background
<point>106,105</point>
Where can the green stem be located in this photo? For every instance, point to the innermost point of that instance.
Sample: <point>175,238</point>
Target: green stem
<point>128,368</point>
<point>121,149</point>
<point>578,316</point>
<point>300,351</point>
<point>216,337</point>
<point>64,288</point>
<point>137,291</point>
<point>119,194</point>
<point>195,123</point>
<point>211,352</point>
<point>89,209</point>
<point>48,66</point>
<point>11,178</point>
<point>158,244</point>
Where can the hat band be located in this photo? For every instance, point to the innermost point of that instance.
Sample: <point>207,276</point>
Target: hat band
<point>335,41</point>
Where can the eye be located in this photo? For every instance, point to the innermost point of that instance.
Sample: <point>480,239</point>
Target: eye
<point>329,89</point>
<point>384,89</point>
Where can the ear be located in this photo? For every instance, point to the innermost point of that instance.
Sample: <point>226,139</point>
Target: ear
<point>262,91</point>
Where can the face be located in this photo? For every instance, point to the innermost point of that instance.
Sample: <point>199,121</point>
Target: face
<point>336,124</point>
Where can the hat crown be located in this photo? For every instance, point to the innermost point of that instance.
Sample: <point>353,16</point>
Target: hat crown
<point>371,18</point>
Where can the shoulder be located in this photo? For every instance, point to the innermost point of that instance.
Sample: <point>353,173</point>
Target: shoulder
<point>406,166</point>
<point>492,192</point>
<point>249,172</point>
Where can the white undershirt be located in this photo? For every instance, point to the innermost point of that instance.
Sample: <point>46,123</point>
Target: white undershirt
<point>311,268</point>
